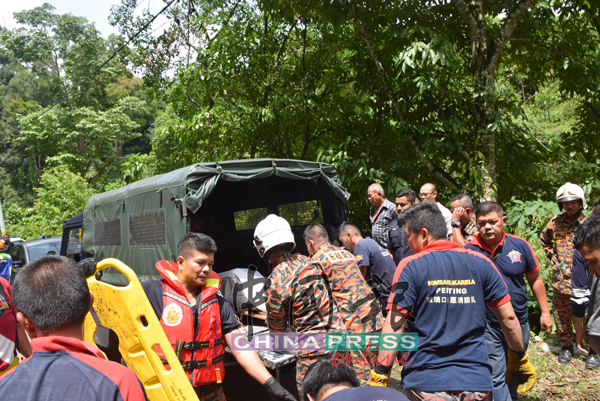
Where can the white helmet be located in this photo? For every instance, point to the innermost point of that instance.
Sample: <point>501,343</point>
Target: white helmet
<point>271,232</point>
<point>569,192</point>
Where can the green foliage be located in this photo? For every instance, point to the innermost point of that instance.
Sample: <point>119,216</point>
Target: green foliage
<point>137,167</point>
<point>83,139</point>
<point>527,219</point>
<point>91,130</point>
<point>61,195</point>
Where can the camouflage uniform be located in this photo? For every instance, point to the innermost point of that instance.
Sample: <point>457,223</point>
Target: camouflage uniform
<point>557,239</point>
<point>356,303</point>
<point>298,296</point>
<point>470,231</point>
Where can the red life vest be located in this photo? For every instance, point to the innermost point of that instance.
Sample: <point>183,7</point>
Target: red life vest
<point>201,355</point>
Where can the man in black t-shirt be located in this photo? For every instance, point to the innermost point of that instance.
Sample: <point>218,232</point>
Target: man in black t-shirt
<point>199,335</point>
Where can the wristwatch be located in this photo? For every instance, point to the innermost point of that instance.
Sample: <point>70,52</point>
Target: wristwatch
<point>455,223</point>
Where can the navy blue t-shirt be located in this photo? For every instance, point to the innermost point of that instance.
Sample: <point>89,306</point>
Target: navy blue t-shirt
<point>367,394</point>
<point>154,292</point>
<point>380,266</point>
<point>514,259</point>
<point>67,369</point>
<point>445,289</point>
<point>398,242</point>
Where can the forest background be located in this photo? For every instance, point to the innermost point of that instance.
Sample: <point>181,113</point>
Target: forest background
<point>498,99</point>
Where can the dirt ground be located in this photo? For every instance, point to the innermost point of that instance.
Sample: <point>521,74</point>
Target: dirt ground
<point>555,381</point>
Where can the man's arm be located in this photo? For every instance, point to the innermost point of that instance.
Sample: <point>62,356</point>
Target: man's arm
<point>363,271</point>
<point>457,236</point>
<point>539,292</point>
<point>275,311</point>
<point>547,239</point>
<point>251,363</point>
<point>363,259</point>
<point>249,360</point>
<point>510,326</point>
<point>394,323</point>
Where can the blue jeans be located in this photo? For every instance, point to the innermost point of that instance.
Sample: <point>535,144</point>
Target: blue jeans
<point>497,349</point>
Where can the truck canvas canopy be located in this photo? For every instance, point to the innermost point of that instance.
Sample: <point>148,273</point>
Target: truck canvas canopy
<point>142,222</point>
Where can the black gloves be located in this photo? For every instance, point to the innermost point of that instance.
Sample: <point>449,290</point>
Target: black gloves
<point>276,391</point>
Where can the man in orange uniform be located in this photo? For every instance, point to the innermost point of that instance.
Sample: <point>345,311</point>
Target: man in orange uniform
<point>557,239</point>
<point>199,322</point>
<point>354,299</point>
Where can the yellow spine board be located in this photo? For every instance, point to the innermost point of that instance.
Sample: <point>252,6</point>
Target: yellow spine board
<point>121,309</point>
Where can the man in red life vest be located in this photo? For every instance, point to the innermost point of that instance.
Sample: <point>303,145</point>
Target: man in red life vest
<point>199,322</point>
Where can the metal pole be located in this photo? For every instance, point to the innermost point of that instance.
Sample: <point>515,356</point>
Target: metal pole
<point>2,227</point>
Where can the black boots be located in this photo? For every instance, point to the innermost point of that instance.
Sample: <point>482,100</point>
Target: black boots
<point>593,361</point>
<point>566,354</point>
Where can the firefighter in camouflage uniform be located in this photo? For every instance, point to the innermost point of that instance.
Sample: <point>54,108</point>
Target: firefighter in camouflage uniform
<point>355,301</point>
<point>557,239</point>
<point>297,294</point>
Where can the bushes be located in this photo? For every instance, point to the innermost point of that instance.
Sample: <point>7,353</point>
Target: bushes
<point>527,220</point>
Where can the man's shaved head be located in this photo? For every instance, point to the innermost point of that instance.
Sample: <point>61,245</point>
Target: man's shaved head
<point>462,200</point>
<point>428,187</point>
<point>428,192</point>
<point>348,227</point>
<point>317,233</point>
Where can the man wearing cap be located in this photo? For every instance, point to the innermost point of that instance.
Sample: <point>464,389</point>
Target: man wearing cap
<point>557,239</point>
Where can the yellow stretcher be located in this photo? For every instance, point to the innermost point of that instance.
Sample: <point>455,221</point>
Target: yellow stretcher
<point>124,310</point>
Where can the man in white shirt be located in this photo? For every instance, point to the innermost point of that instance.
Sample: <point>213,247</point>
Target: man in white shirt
<point>428,193</point>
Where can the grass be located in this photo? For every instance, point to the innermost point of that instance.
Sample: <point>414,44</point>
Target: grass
<point>555,381</point>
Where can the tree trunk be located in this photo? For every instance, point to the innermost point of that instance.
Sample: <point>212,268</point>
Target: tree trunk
<point>431,167</point>
<point>486,55</point>
<point>484,113</point>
